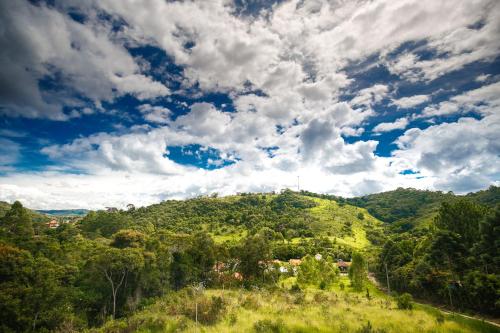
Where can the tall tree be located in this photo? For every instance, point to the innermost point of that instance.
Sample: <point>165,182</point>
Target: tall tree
<point>115,265</point>
<point>357,271</point>
<point>487,249</point>
<point>17,222</point>
<point>462,217</point>
<point>254,249</point>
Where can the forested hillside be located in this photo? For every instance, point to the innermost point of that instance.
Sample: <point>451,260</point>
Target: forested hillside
<point>227,264</point>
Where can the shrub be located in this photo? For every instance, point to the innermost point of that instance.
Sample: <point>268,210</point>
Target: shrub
<point>368,328</point>
<point>250,302</point>
<point>268,326</point>
<point>295,288</point>
<point>210,310</point>
<point>440,318</point>
<point>320,297</point>
<point>299,298</point>
<point>322,285</point>
<point>233,318</point>
<point>405,302</point>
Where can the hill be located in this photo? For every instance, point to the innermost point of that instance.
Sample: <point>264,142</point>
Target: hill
<point>36,216</point>
<point>409,208</point>
<point>289,215</point>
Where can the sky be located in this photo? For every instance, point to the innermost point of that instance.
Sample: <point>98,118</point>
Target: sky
<point>111,102</point>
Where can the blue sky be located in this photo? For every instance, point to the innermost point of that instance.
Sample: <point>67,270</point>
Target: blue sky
<point>105,103</point>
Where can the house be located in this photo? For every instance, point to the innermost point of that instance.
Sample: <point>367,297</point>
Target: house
<point>283,269</point>
<point>52,224</point>
<point>295,262</point>
<point>111,209</point>
<point>219,267</point>
<point>343,265</point>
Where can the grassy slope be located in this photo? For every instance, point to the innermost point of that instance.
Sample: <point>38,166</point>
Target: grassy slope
<point>332,217</point>
<point>335,310</point>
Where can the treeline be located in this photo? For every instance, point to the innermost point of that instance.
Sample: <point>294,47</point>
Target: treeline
<point>455,261</point>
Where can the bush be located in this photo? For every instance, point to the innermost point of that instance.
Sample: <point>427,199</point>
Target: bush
<point>268,326</point>
<point>368,328</point>
<point>405,301</point>
<point>209,310</point>
<point>250,302</point>
<point>322,285</point>
<point>233,318</point>
<point>299,298</point>
<point>295,288</point>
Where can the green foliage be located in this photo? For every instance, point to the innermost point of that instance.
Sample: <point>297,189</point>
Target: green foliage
<point>357,271</point>
<point>456,260</point>
<point>321,273</point>
<point>17,223</point>
<point>405,301</point>
<point>461,217</point>
<point>207,311</point>
<point>105,224</point>
<point>254,250</point>
<point>128,238</point>
<point>269,326</point>
<point>487,248</point>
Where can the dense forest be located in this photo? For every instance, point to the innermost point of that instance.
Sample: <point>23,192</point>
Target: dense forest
<point>101,271</point>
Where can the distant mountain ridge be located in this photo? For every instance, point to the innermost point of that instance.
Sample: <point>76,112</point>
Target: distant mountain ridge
<point>64,212</point>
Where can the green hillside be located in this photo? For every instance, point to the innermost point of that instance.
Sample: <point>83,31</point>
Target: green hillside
<point>36,216</point>
<point>256,262</point>
<point>409,208</point>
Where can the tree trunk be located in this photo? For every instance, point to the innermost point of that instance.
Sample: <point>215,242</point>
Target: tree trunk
<point>114,289</point>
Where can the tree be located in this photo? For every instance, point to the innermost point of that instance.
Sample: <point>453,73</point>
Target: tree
<point>308,271</point>
<point>487,249</point>
<point>253,250</point>
<point>357,271</point>
<point>115,265</point>
<point>461,217</point>
<point>17,222</point>
<point>16,267</point>
<point>128,238</point>
<point>202,256</point>
<point>180,270</point>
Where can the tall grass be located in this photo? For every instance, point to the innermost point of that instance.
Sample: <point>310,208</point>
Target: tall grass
<point>307,311</point>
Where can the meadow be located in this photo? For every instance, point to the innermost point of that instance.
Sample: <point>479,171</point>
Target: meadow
<point>339,309</point>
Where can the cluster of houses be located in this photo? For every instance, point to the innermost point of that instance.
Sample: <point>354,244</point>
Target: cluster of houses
<point>290,267</point>
<point>54,224</point>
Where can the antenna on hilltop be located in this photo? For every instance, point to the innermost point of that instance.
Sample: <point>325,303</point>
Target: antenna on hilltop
<point>298,183</point>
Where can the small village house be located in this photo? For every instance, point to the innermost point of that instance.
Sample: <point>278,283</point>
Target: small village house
<point>52,224</point>
<point>343,266</point>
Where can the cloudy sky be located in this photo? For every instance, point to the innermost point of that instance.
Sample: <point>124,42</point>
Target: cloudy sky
<point>110,102</point>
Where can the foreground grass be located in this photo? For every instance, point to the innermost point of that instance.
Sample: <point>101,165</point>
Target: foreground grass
<point>310,310</point>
